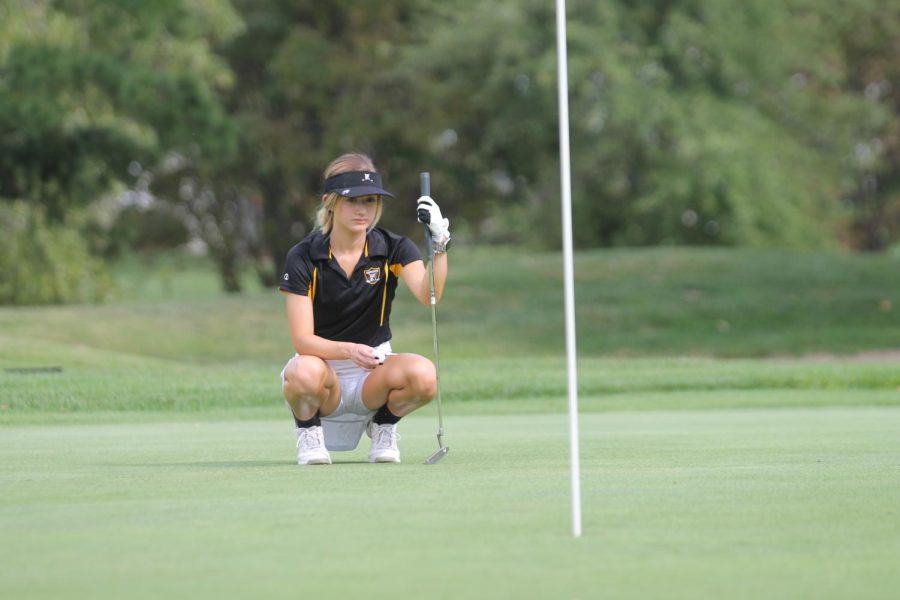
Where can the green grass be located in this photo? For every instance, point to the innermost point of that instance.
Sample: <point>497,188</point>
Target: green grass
<point>717,460</point>
<point>768,503</point>
<point>707,302</point>
<point>500,385</point>
<point>503,302</point>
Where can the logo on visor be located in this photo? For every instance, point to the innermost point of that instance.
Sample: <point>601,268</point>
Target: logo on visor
<point>367,177</point>
<point>373,275</point>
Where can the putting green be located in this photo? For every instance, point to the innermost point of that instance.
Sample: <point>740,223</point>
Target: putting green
<point>776,503</point>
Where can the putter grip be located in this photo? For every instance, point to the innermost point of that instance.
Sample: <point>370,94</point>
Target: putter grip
<point>425,185</point>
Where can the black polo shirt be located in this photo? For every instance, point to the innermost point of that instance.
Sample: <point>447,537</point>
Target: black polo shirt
<point>357,309</point>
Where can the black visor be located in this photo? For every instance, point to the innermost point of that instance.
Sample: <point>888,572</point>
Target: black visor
<point>355,184</point>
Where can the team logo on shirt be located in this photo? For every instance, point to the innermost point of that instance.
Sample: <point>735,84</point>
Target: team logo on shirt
<point>373,275</point>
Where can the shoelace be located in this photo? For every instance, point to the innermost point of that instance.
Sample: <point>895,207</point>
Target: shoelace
<point>310,438</point>
<point>386,437</point>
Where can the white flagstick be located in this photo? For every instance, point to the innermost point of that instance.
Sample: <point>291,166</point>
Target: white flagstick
<point>568,267</point>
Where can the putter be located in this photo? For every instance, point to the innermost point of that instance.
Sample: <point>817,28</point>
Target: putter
<point>425,180</point>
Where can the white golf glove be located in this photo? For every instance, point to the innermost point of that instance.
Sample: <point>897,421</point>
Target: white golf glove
<point>430,214</point>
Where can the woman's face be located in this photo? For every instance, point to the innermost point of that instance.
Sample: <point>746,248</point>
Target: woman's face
<point>355,214</point>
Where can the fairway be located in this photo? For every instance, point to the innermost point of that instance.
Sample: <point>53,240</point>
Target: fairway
<point>779,503</point>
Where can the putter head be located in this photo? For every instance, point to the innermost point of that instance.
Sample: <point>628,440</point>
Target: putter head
<point>438,455</point>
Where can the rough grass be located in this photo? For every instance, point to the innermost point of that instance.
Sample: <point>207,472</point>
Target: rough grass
<point>503,302</point>
<point>660,301</point>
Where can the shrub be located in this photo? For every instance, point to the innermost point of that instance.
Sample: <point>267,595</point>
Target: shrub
<point>46,264</point>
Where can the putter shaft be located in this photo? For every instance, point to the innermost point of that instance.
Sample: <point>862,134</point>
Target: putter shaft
<point>425,180</point>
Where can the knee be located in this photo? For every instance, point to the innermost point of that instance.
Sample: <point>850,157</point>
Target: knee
<point>305,376</point>
<point>422,378</point>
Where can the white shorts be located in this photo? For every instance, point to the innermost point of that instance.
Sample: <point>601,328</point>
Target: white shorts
<point>344,427</point>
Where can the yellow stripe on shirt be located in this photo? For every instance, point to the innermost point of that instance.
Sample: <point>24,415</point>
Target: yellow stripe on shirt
<point>384,294</point>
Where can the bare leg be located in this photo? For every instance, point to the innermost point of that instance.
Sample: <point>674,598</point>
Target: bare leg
<point>404,382</point>
<point>311,386</point>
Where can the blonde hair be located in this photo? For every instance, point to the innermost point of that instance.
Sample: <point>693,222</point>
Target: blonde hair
<point>343,164</point>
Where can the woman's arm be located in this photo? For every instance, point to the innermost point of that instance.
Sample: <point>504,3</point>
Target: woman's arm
<point>306,342</point>
<point>415,276</point>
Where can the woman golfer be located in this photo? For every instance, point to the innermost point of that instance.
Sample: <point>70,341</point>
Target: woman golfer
<point>339,283</point>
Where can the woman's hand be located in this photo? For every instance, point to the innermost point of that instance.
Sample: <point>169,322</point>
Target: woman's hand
<point>363,356</point>
<point>429,213</point>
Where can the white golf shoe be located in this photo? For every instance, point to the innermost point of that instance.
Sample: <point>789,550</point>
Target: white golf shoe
<point>384,443</point>
<point>311,448</point>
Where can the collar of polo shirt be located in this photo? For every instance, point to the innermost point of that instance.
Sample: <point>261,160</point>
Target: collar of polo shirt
<point>320,246</point>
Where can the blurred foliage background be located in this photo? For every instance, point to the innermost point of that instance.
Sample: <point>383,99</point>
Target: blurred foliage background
<point>129,126</point>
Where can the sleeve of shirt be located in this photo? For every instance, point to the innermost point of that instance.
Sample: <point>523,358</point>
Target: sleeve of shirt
<point>298,272</point>
<point>407,252</point>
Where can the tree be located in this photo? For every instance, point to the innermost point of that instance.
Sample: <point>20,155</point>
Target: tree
<point>92,92</point>
<point>88,87</point>
<point>686,128</point>
<point>314,80</point>
<point>867,53</point>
